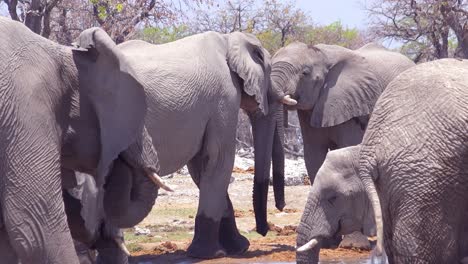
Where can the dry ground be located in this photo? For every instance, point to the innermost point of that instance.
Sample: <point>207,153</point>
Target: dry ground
<point>172,218</point>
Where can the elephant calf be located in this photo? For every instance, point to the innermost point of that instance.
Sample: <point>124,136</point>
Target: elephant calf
<point>337,204</point>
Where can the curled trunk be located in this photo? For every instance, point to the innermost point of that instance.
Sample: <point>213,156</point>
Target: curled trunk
<point>129,195</point>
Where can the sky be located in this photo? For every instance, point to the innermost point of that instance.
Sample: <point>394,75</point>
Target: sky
<point>350,12</point>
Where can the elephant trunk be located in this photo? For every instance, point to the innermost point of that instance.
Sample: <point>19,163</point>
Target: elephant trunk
<point>263,131</point>
<point>268,144</point>
<point>314,226</point>
<point>129,195</point>
<point>283,78</point>
<point>278,159</point>
<point>306,257</point>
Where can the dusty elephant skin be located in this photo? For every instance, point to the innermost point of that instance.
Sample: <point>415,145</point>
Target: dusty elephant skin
<point>336,89</point>
<point>414,157</point>
<point>194,89</point>
<point>57,115</point>
<point>197,84</point>
<point>337,204</point>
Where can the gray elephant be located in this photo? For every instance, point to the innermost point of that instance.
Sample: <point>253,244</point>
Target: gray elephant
<point>337,204</point>
<point>195,87</point>
<point>413,169</point>
<point>57,115</point>
<point>335,89</point>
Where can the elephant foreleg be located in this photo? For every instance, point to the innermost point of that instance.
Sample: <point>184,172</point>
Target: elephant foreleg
<point>316,144</point>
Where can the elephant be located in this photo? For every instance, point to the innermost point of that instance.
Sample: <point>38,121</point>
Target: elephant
<point>194,88</point>
<point>57,116</point>
<point>412,166</point>
<point>335,89</point>
<point>337,204</point>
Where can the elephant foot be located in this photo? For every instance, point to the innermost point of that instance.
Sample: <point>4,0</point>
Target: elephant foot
<point>205,243</point>
<point>355,240</point>
<point>235,245</point>
<point>205,251</point>
<point>229,236</point>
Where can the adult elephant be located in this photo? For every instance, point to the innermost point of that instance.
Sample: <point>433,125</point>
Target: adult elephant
<point>336,89</point>
<point>194,88</point>
<point>412,166</point>
<point>57,108</point>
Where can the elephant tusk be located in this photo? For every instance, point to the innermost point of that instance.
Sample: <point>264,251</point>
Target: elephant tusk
<point>287,100</point>
<point>122,246</point>
<point>159,182</point>
<point>308,246</point>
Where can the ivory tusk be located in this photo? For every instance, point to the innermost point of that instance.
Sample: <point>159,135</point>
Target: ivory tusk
<point>308,246</point>
<point>122,246</point>
<point>287,100</point>
<point>159,182</point>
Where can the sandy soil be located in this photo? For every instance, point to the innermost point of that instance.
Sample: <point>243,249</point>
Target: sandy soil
<point>172,219</point>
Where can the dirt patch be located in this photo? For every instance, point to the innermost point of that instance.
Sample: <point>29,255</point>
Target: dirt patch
<point>172,220</point>
<point>249,170</point>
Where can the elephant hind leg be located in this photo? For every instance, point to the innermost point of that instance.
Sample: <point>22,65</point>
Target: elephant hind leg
<point>212,168</point>
<point>229,235</point>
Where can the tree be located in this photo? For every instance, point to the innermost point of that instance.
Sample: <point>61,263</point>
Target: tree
<point>428,24</point>
<point>226,17</point>
<point>283,18</point>
<point>35,14</point>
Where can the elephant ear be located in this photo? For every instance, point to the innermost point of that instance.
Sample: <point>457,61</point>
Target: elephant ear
<point>107,80</point>
<point>350,89</point>
<point>251,62</point>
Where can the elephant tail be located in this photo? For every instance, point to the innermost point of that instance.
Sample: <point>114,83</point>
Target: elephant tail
<point>368,173</point>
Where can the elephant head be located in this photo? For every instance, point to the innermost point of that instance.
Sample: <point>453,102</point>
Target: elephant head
<point>330,81</point>
<point>264,106</point>
<point>337,204</point>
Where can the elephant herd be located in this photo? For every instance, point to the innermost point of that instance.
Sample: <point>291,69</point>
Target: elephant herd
<point>87,131</point>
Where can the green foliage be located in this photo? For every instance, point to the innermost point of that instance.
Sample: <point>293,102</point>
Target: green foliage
<point>334,33</point>
<point>160,35</point>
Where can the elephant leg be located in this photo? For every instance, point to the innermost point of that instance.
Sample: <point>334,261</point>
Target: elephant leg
<point>213,167</point>
<point>107,248</point>
<point>350,133</point>
<point>33,208</point>
<point>316,144</point>
<point>85,254</point>
<point>232,241</point>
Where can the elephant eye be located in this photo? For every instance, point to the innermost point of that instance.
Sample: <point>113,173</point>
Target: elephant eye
<point>332,199</point>
<point>306,71</point>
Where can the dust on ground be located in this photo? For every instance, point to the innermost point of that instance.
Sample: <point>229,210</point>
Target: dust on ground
<point>172,220</point>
